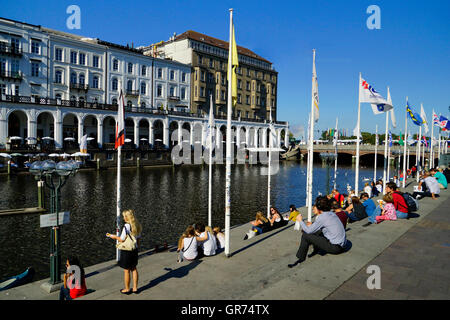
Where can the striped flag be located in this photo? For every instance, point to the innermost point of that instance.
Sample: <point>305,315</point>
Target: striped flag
<point>120,126</point>
<point>315,92</point>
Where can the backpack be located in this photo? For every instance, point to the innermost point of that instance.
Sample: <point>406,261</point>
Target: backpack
<point>412,203</point>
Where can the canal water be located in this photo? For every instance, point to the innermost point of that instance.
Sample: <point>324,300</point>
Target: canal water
<point>166,200</point>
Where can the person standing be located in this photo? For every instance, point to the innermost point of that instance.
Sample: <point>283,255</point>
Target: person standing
<point>129,259</point>
<point>326,233</point>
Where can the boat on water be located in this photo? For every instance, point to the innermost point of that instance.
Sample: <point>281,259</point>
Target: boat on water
<point>18,280</point>
<point>292,153</point>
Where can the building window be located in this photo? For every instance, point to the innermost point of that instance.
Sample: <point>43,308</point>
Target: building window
<point>239,84</point>
<point>95,61</point>
<point>73,77</point>
<point>202,91</point>
<point>143,70</point>
<point>35,69</point>
<point>130,67</point>
<point>159,73</point>
<point>115,84</point>
<point>2,88</point>
<point>83,59</point>
<point>247,99</point>
<point>129,103</point>
<point>159,92</point>
<point>14,67</point>
<point>202,75</point>
<point>183,77</point>
<point>73,57</point>
<point>114,101</point>
<point>130,85</point>
<point>81,79</point>
<point>183,93</point>
<point>58,76</point>
<point>200,60</point>
<point>15,44</point>
<point>35,46</point>
<point>211,63</point>
<point>172,75</point>
<point>223,95</point>
<point>58,96</point>
<point>172,92</point>
<point>95,82</point>
<point>143,88</point>
<point>143,105</point>
<point>58,54</point>
<point>115,64</point>
<point>239,98</point>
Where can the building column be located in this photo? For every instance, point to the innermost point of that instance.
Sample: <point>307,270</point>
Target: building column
<point>264,137</point>
<point>247,137</point>
<point>80,128</point>
<point>100,132</point>
<point>286,137</point>
<point>279,138</point>
<point>3,127</point>
<point>151,136</point>
<point>166,134</point>
<point>32,128</point>
<point>136,132</point>
<point>180,132</point>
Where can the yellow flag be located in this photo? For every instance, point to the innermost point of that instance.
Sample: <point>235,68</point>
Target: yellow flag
<point>234,65</point>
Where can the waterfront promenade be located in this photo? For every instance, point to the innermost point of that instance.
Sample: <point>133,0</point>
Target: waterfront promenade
<point>413,256</point>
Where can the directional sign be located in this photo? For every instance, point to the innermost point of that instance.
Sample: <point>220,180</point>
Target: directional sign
<point>49,220</point>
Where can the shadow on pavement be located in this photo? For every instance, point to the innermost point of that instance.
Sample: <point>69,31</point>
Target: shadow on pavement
<point>256,242</point>
<point>172,273</point>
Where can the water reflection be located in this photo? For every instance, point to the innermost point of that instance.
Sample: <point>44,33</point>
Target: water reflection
<point>166,200</point>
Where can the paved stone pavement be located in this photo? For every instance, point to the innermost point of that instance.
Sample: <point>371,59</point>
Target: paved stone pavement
<point>416,266</point>
<point>413,256</point>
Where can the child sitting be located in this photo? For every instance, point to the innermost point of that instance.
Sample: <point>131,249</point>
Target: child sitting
<point>388,212</point>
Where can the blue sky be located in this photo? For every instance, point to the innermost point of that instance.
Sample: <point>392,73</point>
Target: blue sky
<point>410,53</point>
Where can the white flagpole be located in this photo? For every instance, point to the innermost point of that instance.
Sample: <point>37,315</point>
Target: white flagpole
<point>119,171</point>
<point>386,160</point>
<point>311,143</point>
<point>358,131</point>
<point>423,154</point>
<point>336,134</point>
<point>210,163</point>
<point>418,153</point>
<point>389,164</point>
<point>309,161</point>
<point>409,153</point>
<point>228,146</point>
<point>439,145</point>
<point>268,167</point>
<point>431,161</point>
<point>404,147</point>
<point>376,154</point>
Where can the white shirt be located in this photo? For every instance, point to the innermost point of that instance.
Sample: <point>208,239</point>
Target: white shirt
<point>209,245</point>
<point>368,190</point>
<point>379,188</point>
<point>123,235</point>
<point>190,248</point>
<point>221,238</point>
<point>432,185</point>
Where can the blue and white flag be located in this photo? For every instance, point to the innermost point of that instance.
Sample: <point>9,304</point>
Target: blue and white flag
<point>390,138</point>
<point>368,94</point>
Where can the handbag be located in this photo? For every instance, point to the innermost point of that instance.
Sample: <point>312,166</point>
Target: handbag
<point>129,244</point>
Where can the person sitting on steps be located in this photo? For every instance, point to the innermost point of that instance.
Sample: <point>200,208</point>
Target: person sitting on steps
<point>326,233</point>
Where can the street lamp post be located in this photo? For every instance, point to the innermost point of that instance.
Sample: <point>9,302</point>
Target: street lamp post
<point>54,176</point>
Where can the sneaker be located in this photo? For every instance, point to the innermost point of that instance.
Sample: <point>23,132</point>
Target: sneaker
<point>418,197</point>
<point>246,237</point>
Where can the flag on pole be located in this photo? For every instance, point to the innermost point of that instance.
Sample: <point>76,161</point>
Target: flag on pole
<point>83,144</point>
<point>368,94</point>
<point>234,65</point>
<point>424,118</point>
<point>425,141</point>
<point>390,138</point>
<point>436,119</point>
<point>444,123</point>
<point>392,114</point>
<point>415,117</point>
<point>120,126</point>
<point>210,128</point>
<point>400,140</point>
<point>315,93</point>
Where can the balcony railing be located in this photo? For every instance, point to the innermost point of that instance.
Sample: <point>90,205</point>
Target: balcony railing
<point>132,92</point>
<point>174,98</point>
<point>79,86</point>
<point>113,107</point>
<point>15,75</point>
<point>10,50</point>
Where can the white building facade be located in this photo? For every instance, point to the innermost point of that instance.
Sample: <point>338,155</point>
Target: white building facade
<point>63,86</point>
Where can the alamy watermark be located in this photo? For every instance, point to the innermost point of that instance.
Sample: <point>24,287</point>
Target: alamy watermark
<point>374,280</point>
<point>240,152</point>
<point>74,20</point>
<point>374,20</point>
